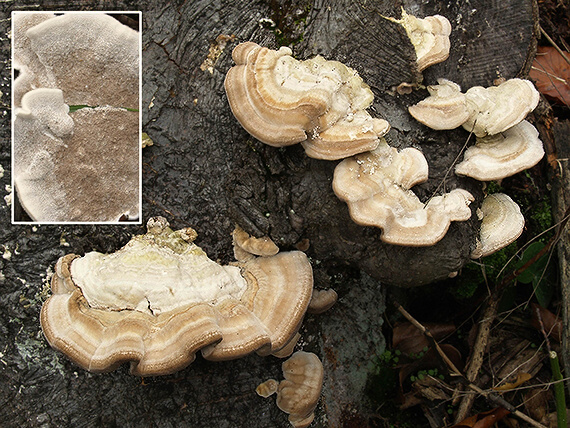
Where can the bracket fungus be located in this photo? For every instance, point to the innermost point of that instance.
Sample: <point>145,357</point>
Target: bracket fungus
<point>90,172</point>
<point>429,36</point>
<point>485,111</point>
<point>299,393</point>
<point>445,108</point>
<point>322,301</point>
<point>501,223</point>
<point>501,107</point>
<point>267,388</point>
<point>282,101</point>
<point>247,247</point>
<point>376,186</point>
<point>502,155</point>
<point>160,299</point>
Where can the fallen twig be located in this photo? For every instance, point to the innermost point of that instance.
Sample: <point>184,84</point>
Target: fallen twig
<point>490,396</point>
<point>553,43</point>
<point>559,396</point>
<point>477,355</point>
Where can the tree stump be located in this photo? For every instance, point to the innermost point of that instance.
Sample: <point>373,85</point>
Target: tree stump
<point>205,171</point>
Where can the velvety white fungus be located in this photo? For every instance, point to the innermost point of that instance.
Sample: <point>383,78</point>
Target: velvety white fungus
<point>501,223</point>
<point>299,393</point>
<point>91,57</point>
<point>498,108</point>
<point>498,156</point>
<point>485,111</point>
<point>359,128</point>
<point>429,36</point>
<point>376,187</point>
<point>282,101</point>
<point>32,72</point>
<point>445,108</point>
<point>40,127</point>
<point>160,299</point>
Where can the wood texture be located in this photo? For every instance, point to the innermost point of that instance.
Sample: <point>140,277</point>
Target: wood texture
<point>561,202</point>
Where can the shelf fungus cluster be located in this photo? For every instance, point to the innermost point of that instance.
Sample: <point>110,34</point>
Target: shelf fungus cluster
<point>505,145</point>
<point>159,300</point>
<point>376,186</point>
<point>299,393</point>
<point>505,142</point>
<point>79,164</point>
<point>282,101</point>
<point>429,36</point>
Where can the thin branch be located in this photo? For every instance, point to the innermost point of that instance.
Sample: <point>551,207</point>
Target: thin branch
<point>478,352</point>
<point>553,43</point>
<point>490,396</point>
<point>552,241</point>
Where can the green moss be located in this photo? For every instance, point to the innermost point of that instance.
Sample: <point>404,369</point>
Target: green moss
<point>485,270</point>
<point>289,22</point>
<point>493,187</point>
<point>541,214</point>
<point>469,283</point>
<point>381,388</point>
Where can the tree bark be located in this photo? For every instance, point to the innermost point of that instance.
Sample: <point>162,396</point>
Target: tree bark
<point>561,202</point>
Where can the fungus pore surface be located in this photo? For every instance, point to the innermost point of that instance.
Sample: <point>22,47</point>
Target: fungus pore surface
<point>83,165</point>
<point>91,57</point>
<point>160,299</point>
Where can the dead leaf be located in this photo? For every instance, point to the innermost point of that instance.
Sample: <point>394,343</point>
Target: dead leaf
<point>536,403</point>
<point>430,389</point>
<point>427,389</point>
<point>552,324</point>
<point>430,360</point>
<point>484,419</point>
<point>521,378</point>
<point>408,339</point>
<point>511,423</point>
<point>551,74</point>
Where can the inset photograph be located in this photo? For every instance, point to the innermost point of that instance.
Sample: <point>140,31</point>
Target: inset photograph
<point>76,125</point>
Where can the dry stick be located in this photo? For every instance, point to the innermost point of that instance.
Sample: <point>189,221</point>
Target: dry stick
<point>491,396</point>
<point>553,43</point>
<point>478,353</point>
<point>488,317</point>
<point>559,396</point>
